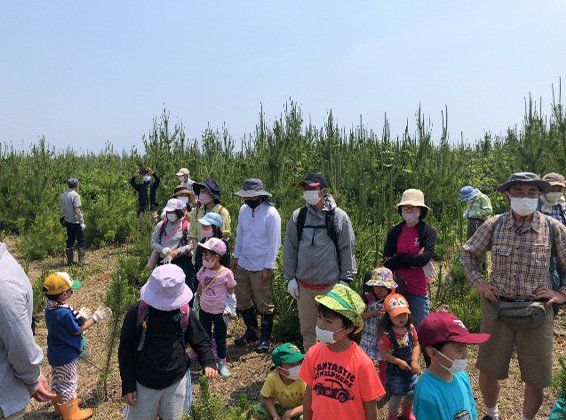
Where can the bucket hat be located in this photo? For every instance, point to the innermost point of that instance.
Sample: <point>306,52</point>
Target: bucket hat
<point>441,327</point>
<point>211,218</point>
<point>215,245</point>
<point>346,302</point>
<point>412,197</point>
<point>382,276</point>
<point>183,171</point>
<point>182,190</point>
<point>468,192</point>
<point>174,204</point>
<point>524,178</point>
<point>314,179</point>
<point>252,187</point>
<point>554,179</point>
<point>396,304</point>
<point>211,185</point>
<point>166,289</point>
<point>286,353</point>
<point>57,283</point>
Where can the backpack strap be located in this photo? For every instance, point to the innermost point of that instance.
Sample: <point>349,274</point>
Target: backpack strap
<point>392,338</point>
<point>212,281</point>
<point>328,225</point>
<point>162,230</point>
<point>141,321</point>
<point>301,221</point>
<point>183,318</point>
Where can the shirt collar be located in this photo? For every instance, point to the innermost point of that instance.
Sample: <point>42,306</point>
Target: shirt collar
<point>510,223</point>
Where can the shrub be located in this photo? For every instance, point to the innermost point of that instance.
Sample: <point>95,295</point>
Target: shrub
<point>211,407</point>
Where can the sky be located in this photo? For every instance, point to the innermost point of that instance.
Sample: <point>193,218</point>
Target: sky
<point>85,73</point>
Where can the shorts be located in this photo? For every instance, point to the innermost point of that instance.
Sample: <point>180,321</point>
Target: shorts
<point>534,348</point>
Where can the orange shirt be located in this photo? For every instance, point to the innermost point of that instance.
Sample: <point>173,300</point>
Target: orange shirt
<point>340,382</point>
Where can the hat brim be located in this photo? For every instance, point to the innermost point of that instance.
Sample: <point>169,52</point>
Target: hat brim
<point>289,360</point>
<point>247,194</point>
<point>333,304</point>
<point>398,311</point>
<point>76,285</point>
<point>388,284</point>
<point>162,303</point>
<point>205,222</point>
<point>203,245</point>
<point>470,338</point>
<point>411,203</point>
<point>470,195</point>
<point>544,186</point>
<point>556,183</point>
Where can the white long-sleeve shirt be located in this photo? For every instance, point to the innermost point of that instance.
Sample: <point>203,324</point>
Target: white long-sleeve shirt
<point>258,237</point>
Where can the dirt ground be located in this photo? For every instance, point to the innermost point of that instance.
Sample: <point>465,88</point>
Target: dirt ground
<point>248,368</point>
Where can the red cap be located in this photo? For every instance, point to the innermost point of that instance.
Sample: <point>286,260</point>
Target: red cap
<point>441,327</point>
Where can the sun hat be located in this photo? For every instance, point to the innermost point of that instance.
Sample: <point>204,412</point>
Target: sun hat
<point>183,171</point>
<point>182,190</point>
<point>468,192</point>
<point>166,289</point>
<point>211,218</point>
<point>346,302</point>
<point>174,204</point>
<point>396,304</point>
<point>524,178</point>
<point>252,187</point>
<point>382,276</point>
<point>314,179</point>
<point>211,185</point>
<point>215,245</point>
<point>286,353</point>
<point>441,327</point>
<point>412,197</point>
<point>57,283</point>
<point>72,181</point>
<point>554,179</point>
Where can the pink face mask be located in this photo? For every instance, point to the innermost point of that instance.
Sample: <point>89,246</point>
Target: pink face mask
<point>204,198</point>
<point>208,264</point>
<point>207,231</point>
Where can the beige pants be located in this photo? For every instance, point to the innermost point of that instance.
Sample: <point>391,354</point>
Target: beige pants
<point>248,284</point>
<point>308,312</point>
<point>141,220</point>
<point>16,416</point>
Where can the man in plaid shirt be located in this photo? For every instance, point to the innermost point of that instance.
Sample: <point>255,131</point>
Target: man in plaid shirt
<point>520,245</point>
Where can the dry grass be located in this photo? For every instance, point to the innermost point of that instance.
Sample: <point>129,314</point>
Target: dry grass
<point>248,368</point>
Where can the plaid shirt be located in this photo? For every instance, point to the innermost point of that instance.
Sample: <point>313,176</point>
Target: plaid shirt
<point>520,254</point>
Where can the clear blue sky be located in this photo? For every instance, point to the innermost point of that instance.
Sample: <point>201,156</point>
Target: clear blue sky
<point>83,73</point>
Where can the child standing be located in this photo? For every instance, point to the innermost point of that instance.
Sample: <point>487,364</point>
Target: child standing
<point>444,391</point>
<point>64,328</point>
<point>341,380</point>
<point>399,347</point>
<point>283,391</point>
<point>378,284</point>
<point>216,283</point>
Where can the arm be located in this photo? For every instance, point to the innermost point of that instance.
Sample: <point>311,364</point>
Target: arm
<point>290,249</point>
<point>307,404</point>
<point>485,209</point>
<point>270,406</point>
<point>420,260</point>
<point>239,235</point>
<point>293,412</point>
<point>134,184</point>
<point>385,350</point>
<point>371,410</point>
<point>198,339</point>
<point>126,351</point>
<point>274,235</point>
<point>193,232</point>
<point>155,240</point>
<point>474,249</point>
<point>156,181</point>
<point>370,314</point>
<point>77,206</point>
<point>347,244</point>
<point>225,224</point>
<point>415,366</point>
<point>88,323</point>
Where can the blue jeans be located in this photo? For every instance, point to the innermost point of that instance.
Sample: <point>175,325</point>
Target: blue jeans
<point>418,304</point>
<point>220,329</point>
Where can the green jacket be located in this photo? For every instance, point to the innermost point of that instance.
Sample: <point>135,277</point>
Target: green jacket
<point>480,208</point>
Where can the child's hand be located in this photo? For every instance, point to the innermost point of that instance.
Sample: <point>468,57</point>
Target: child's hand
<point>210,372</point>
<point>287,415</point>
<point>85,312</point>
<point>101,314</point>
<point>415,367</point>
<point>130,398</point>
<point>403,365</point>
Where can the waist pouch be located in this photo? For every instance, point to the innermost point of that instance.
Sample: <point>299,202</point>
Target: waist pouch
<point>522,315</point>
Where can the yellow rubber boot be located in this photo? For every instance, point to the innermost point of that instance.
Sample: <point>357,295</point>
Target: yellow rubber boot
<point>55,401</point>
<point>70,411</point>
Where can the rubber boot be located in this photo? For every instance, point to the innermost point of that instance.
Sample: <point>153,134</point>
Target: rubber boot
<point>407,412</point>
<point>55,401</point>
<point>69,253</point>
<point>250,319</point>
<point>266,327</point>
<point>70,411</point>
<point>82,257</point>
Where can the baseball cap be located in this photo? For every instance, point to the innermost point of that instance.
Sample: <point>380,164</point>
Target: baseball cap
<point>183,171</point>
<point>57,283</point>
<point>396,304</point>
<point>314,179</point>
<point>174,204</point>
<point>215,245</point>
<point>211,218</point>
<point>286,353</point>
<point>441,327</point>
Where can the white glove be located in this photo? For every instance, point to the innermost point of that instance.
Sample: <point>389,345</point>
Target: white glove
<point>83,226</point>
<point>85,312</point>
<point>167,259</point>
<point>230,307</point>
<point>293,288</point>
<point>165,252</point>
<point>101,314</point>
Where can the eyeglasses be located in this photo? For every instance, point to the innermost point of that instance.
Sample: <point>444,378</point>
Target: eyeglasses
<point>530,194</point>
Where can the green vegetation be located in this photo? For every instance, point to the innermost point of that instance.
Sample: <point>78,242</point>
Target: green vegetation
<point>210,406</point>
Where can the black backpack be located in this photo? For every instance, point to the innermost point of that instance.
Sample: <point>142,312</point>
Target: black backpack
<point>328,225</point>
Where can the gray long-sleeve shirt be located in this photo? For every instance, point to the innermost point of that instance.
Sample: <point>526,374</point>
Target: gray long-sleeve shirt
<point>313,257</point>
<point>169,239</point>
<point>20,356</point>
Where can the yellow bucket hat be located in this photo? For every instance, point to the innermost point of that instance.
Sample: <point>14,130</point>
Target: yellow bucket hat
<point>346,302</point>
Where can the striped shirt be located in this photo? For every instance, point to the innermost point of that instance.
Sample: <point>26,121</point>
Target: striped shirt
<point>520,254</point>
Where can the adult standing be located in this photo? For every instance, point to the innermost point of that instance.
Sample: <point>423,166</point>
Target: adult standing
<point>258,239</point>
<point>147,202</point>
<point>318,251</point>
<point>185,178</point>
<point>521,243</point>
<point>74,221</point>
<point>20,356</point>
<point>479,208</point>
<point>408,251</point>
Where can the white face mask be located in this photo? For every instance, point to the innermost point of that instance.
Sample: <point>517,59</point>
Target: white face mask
<point>181,179</point>
<point>311,197</point>
<point>146,178</point>
<point>183,199</point>
<point>294,372</point>
<point>172,217</point>
<point>411,218</point>
<point>553,197</point>
<point>458,365</point>
<point>204,198</point>
<point>325,336</point>
<point>524,206</point>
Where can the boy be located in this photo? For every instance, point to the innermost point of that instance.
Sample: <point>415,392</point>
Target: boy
<point>444,391</point>
<point>64,328</point>
<point>341,380</point>
<point>283,391</point>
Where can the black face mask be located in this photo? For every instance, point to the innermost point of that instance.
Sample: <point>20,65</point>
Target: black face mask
<point>252,203</point>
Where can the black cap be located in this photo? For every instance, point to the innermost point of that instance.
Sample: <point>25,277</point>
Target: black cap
<point>314,179</point>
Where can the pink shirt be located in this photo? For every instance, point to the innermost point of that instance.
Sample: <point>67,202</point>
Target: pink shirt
<point>214,297</point>
<point>408,243</point>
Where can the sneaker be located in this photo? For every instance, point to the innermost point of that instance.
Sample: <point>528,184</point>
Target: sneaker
<point>223,369</point>
<point>262,347</point>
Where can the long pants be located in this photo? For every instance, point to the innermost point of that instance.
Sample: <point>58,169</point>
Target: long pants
<point>141,219</point>
<point>74,232</point>
<point>308,312</point>
<point>250,283</point>
<point>220,329</point>
<point>166,403</point>
<point>473,225</point>
<point>65,379</point>
<point>16,416</point>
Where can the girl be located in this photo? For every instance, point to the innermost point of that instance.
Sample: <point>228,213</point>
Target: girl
<point>216,282</point>
<point>378,284</point>
<point>211,224</point>
<point>399,347</point>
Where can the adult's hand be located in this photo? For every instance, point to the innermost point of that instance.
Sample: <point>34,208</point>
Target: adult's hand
<point>293,288</point>
<point>210,372</point>
<point>552,295</point>
<point>41,392</point>
<point>266,274</point>
<point>130,398</point>
<point>487,290</point>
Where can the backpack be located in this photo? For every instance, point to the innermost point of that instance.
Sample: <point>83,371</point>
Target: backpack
<point>328,225</point>
<point>185,227</point>
<point>143,316</point>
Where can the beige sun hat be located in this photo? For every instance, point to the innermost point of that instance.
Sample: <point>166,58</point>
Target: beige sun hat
<point>554,179</point>
<point>412,197</point>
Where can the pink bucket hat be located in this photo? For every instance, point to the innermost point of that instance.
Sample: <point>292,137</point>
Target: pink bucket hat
<point>166,289</point>
<point>215,245</point>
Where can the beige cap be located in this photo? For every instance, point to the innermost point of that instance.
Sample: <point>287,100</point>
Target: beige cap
<point>183,171</point>
<point>412,197</point>
<point>554,179</point>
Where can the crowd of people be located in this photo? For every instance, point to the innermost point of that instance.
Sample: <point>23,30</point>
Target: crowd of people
<point>198,285</point>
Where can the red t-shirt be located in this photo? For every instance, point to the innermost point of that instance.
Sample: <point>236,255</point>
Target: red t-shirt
<point>402,339</point>
<point>340,382</point>
<point>408,243</point>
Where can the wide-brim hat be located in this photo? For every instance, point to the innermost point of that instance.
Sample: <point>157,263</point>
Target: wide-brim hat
<point>468,192</point>
<point>346,302</point>
<point>524,178</point>
<point>252,187</point>
<point>442,327</point>
<point>166,289</point>
<point>382,276</point>
<point>412,197</point>
<point>182,190</point>
<point>555,179</point>
<point>396,304</point>
<point>211,185</point>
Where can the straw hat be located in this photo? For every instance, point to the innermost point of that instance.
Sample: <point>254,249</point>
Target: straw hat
<point>412,197</point>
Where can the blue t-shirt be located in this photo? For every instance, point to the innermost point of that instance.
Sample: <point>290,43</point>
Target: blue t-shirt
<point>63,340</point>
<point>436,399</point>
